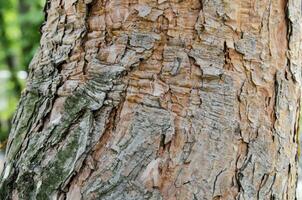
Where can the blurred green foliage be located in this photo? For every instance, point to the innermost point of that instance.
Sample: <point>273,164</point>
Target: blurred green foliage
<point>20,22</point>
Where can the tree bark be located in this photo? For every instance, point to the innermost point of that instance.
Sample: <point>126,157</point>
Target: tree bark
<point>164,99</point>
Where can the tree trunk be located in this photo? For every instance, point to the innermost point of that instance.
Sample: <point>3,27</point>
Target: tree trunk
<point>164,99</point>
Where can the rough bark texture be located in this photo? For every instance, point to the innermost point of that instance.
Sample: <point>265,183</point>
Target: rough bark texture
<point>167,99</point>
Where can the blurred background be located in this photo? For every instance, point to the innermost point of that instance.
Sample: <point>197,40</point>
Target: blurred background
<point>20,22</point>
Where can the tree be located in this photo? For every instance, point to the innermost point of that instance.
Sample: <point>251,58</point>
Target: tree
<point>162,99</point>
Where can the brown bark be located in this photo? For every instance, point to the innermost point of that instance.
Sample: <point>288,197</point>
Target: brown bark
<point>164,99</point>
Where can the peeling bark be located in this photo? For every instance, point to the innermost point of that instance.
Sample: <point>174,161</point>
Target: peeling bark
<point>162,99</point>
